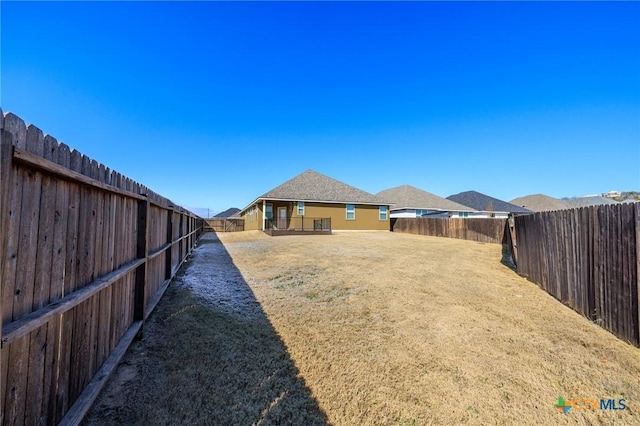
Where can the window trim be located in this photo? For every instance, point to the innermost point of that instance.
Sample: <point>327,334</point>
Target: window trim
<point>385,213</point>
<point>353,210</point>
<point>300,208</point>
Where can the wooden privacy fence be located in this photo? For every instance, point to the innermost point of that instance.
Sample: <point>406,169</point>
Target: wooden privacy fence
<point>588,259</point>
<point>481,230</point>
<point>226,225</point>
<point>85,255</point>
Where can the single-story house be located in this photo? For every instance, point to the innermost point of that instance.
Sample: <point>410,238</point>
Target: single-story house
<point>540,203</point>
<point>487,206</point>
<point>409,201</point>
<point>313,201</point>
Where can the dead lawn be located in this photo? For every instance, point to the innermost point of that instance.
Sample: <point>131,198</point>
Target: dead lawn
<point>370,328</point>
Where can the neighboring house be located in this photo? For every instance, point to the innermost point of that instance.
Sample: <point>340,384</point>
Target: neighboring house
<point>540,203</point>
<point>409,201</point>
<point>588,201</point>
<point>612,194</point>
<point>232,212</point>
<point>487,206</point>
<point>310,200</point>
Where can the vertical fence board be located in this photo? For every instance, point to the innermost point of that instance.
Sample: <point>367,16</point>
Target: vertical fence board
<point>113,262</point>
<point>61,157</point>
<point>3,165</point>
<point>615,273</point>
<point>42,344</point>
<point>67,319</point>
<point>6,253</point>
<point>628,237</point>
<point>141,271</point>
<point>118,236</point>
<point>597,270</point>
<point>103,304</point>
<point>636,277</point>
<point>589,270</point>
<point>93,263</point>
<point>21,359</point>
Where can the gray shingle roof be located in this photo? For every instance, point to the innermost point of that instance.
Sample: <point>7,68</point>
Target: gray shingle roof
<point>313,186</point>
<point>410,197</point>
<point>589,201</point>
<point>484,202</point>
<point>228,213</point>
<point>540,203</point>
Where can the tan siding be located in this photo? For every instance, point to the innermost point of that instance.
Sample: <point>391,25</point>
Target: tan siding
<point>253,221</point>
<point>367,217</point>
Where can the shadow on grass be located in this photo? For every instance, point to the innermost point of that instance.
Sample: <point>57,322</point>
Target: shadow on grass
<point>208,355</point>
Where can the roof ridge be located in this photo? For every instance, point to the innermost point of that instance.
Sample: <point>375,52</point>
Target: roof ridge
<point>312,185</point>
<point>410,197</point>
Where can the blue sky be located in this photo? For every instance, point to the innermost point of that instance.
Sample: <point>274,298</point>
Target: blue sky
<point>212,104</point>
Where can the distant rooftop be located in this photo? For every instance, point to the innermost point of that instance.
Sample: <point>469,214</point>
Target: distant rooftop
<point>482,202</point>
<point>228,213</point>
<point>540,203</point>
<point>410,197</point>
<point>593,200</point>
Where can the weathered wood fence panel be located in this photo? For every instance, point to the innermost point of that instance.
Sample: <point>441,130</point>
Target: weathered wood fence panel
<point>481,230</point>
<point>225,225</point>
<point>85,255</point>
<point>588,259</point>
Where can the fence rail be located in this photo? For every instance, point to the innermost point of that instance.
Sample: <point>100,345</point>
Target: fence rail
<point>299,224</point>
<point>588,259</point>
<point>480,229</point>
<point>85,255</point>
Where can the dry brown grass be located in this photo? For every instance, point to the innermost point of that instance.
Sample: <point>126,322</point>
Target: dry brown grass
<point>372,328</point>
<point>402,329</point>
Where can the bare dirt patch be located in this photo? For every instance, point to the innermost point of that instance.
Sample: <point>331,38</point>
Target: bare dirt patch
<point>378,328</point>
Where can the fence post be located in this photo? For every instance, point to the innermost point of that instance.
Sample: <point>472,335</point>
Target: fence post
<point>180,234</point>
<point>637,246</point>
<point>141,253</point>
<point>169,252</point>
<point>5,164</point>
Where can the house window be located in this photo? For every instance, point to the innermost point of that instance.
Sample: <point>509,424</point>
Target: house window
<point>300,208</point>
<point>463,214</point>
<point>268,211</point>
<point>383,212</point>
<point>351,212</point>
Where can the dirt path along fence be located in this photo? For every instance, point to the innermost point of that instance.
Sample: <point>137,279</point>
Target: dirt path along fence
<point>85,255</point>
<point>588,259</point>
<point>480,229</point>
